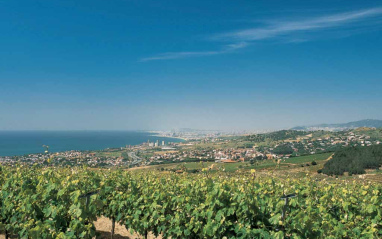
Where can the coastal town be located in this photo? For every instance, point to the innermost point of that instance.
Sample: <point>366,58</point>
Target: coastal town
<point>213,147</point>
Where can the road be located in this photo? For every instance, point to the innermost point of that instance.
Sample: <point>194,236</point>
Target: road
<point>134,157</point>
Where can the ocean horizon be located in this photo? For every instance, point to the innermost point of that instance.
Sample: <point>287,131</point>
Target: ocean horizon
<point>16,143</point>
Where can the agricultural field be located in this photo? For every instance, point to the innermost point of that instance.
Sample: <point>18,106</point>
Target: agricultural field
<point>69,202</point>
<point>309,158</point>
<point>287,164</point>
<point>109,154</point>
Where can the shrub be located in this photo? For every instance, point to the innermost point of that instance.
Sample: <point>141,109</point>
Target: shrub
<point>193,171</point>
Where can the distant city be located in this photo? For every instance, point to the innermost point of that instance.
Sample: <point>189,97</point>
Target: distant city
<point>214,146</point>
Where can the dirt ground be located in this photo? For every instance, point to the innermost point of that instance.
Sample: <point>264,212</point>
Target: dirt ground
<point>103,226</point>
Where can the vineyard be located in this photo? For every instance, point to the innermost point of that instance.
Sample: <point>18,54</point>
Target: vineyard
<point>65,202</point>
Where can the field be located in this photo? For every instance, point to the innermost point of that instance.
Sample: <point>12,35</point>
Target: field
<point>109,154</point>
<point>74,202</point>
<point>287,164</point>
<point>308,158</point>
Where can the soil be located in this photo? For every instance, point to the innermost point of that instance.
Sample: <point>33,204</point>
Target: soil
<point>103,227</point>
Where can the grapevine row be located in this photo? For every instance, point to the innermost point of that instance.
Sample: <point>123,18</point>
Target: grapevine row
<point>64,203</point>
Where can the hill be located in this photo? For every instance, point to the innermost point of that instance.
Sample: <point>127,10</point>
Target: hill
<point>370,123</point>
<point>277,135</point>
<point>354,160</point>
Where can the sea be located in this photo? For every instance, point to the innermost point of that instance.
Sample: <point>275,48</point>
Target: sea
<point>15,143</point>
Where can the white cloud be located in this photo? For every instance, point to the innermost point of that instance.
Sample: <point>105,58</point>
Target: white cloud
<point>284,28</point>
<point>242,38</point>
<point>178,55</point>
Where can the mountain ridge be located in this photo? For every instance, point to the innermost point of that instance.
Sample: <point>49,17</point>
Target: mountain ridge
<point>371,123</point>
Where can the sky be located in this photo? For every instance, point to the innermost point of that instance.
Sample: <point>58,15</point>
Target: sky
<point>161,65</point>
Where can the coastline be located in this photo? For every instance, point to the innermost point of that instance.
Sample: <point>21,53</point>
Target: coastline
<point>30,142</point>
<point>159,134</point>
<point>166,136</point>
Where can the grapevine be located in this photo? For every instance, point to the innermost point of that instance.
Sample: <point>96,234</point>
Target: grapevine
<point>64,203</point>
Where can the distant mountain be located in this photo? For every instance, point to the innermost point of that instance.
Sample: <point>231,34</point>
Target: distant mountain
<point>342,126</point>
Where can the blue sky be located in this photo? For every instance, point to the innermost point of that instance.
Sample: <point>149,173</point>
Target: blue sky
<point>138,64</point>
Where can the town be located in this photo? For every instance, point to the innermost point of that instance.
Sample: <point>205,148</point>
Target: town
<point>216,148</point>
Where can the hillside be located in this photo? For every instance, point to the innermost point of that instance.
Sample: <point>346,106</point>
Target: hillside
<point>354,160</point>
<point>277,135</point>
